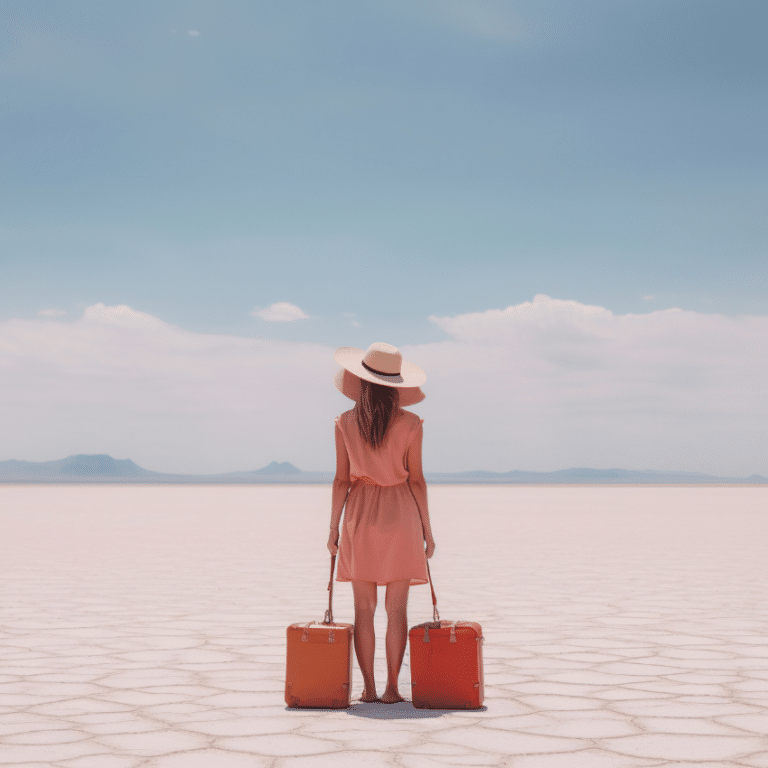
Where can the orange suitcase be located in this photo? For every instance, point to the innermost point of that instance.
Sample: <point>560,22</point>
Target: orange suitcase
<point>446,663</point>
<point>318,669</point>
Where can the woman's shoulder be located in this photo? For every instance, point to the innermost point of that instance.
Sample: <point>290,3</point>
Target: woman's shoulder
<point>409,419</point>
<point>345,418</point>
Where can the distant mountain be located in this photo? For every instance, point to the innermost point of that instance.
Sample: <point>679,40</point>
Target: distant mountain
<point>278,468</point>
<point>81,466</point>
<point>84,468</point>
<point>273,468</point>
<point>584,475</point>
<point>101,468</point>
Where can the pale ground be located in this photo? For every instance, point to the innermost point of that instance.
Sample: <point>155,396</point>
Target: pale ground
<point>145,626</point>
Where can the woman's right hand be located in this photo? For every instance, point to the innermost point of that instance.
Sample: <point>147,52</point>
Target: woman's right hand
<point>333,542</point>
<point>430,547</point>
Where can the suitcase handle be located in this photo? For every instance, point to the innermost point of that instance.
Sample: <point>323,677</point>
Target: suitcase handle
<point>435,614</point>
<point>328,618</point>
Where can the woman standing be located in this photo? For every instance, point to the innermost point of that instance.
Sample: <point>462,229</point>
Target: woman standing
<point>380,479</point>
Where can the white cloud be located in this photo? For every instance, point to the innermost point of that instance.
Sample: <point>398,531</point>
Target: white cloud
<point>51,313</point>
<point>122,315</point>
<point>554,383</point>
<point>123,382</point>
<point>281,311</point>
<point>545,384</point>
<point>193,33</point>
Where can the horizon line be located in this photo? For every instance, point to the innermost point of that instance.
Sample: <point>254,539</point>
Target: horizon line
<point>286,469</point>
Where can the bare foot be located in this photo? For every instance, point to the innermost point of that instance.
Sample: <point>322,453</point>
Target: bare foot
<point>366,698</point>
<point>391,697</point>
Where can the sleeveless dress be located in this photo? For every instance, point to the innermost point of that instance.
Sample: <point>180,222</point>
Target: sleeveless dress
<point>382,539</point>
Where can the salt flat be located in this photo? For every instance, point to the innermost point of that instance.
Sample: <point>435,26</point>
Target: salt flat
<point>145,626</point>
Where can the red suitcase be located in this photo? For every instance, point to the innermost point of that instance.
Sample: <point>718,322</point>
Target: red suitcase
<point>318,668</point>
<point>446,663</point>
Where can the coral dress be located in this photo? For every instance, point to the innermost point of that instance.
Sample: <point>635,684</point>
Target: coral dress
<point>382,539</point>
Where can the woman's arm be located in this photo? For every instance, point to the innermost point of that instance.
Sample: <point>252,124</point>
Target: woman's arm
<point>340,490</point>
<point>418,486</point>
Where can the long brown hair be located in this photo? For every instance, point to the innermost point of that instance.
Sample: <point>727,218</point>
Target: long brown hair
<point>374,410</point>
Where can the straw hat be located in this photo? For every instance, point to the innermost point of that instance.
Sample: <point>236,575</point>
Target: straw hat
<point>382,364</point>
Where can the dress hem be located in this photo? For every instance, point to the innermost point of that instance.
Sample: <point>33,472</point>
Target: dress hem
<point>414,582</point>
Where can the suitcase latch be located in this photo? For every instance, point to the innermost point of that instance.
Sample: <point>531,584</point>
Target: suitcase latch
<point>331,637</point>
<point>427,625</point>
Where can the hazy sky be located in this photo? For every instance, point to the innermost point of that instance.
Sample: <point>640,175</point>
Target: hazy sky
<point>557,208</point>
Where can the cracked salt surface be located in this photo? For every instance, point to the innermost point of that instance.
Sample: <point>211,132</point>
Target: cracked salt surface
<point>144,627</point>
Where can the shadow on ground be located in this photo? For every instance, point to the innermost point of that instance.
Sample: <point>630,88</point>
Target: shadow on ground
<point>403,710</point>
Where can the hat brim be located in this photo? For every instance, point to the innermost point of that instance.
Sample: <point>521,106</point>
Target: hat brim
<point>349,384</point>
<point>351,358</point>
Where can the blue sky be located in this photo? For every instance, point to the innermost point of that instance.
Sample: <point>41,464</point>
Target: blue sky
<point>377,164</point>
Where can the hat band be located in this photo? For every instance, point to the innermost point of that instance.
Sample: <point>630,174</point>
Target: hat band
<point>378,373</point>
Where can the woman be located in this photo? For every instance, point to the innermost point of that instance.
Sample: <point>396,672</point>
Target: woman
<point>379,478</point>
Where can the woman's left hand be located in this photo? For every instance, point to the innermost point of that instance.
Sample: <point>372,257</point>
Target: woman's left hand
<point>333,542</point>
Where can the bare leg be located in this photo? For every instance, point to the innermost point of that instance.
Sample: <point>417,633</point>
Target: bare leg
<point>397,635</point>
<point>365,637</point>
